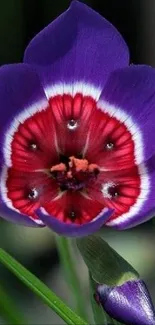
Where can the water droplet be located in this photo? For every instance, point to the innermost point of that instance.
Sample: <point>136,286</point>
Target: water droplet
<point>33,146</point>
<point>110,190</point>
<point>109,146</point>
<point>33,194</point>
<point>72,215</point>
<point>72,125</point>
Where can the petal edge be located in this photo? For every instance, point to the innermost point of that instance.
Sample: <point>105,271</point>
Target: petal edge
<point>72,230</point>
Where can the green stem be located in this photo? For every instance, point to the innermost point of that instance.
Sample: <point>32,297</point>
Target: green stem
<point>8,310</point>
<point>69,267</point>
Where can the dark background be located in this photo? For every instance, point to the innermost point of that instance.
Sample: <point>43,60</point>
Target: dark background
<point>20,20</point>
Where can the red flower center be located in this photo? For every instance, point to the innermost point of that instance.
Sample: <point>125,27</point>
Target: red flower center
<point>74,174</point>
<point>73,159</point>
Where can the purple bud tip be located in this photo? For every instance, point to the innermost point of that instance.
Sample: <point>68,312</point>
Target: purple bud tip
<point>129,303</point>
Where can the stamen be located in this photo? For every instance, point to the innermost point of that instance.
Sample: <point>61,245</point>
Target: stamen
<point>93,168</point>
<point>72,125</point>
<point>59,168</point>
<point>79,164</point>
<point>69,174</point>
<point>75,174</point>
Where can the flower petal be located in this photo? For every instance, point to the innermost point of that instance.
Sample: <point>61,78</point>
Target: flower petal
<point>144,207</point>
<point>79,45</point>
<point>66,209</point>
<point>134,201</point>
<point>19,90</point>
<point>23,103</point>
<point>25,192</point>
<point>129,303</point>
<point>122,192</point>
<point>73,229</point>
<point>129,96</point>
<point>16,217</point>
<point>109,140</point>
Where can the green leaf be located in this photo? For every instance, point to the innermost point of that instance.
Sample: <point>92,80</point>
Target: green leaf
<point>105,266</point>
<point>39,288</point>
<point>104,263</point>
<point>8,310</point>
<point>67,255</point>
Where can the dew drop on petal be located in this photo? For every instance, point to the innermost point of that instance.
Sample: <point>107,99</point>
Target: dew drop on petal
<point>33,146</point>
<point>72,125</point>
<point>33,194</point>
<point>72,215</point>
<point>110,190</point>
<point>109,146</point>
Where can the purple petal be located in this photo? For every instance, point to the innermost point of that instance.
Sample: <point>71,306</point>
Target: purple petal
<point>129,303</point>
<point>79,45</point>
<point>15,217</point>
<point>129,95</point>
<point>73,230</point>
<point>20,94</point>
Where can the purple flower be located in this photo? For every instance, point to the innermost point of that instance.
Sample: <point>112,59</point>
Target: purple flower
<point>77,125</point>
<point>129,303</point>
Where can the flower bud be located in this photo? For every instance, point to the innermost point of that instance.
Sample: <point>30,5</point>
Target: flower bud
<point>129,303</point>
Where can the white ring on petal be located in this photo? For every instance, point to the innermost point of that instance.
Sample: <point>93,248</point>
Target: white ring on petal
<point>4,192</point>
<point>19,119</point>
<point>72,89</point>
<point>120,115</point>
<point>86,90</point>
<point>57,89</point>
